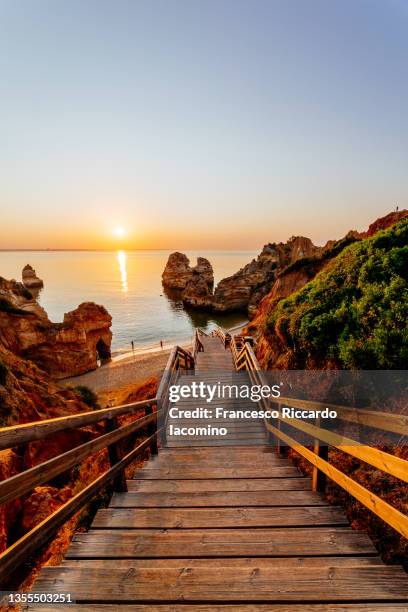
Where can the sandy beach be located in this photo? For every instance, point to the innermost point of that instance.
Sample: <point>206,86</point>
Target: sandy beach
<point>113,379</point>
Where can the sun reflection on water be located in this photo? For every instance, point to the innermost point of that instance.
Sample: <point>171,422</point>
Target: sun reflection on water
<point>122,269</point>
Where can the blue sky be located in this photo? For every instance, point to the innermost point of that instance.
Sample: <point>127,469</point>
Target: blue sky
<point>211,124</point>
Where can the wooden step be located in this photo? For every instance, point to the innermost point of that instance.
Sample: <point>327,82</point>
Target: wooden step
<point>291,563</point>
<point>208,499</point>
<point>289,542</point>
<point>214,443</point>
<point>231,584</point>
<point>184,518</point>
<point>332,607</point>
<point>221,484</point>
<point>192,472</point>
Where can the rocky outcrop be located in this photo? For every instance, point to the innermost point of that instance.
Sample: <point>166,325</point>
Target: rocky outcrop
<point>204,270</point>
<point>384,222</point>
<point>294,278</point>
<point>198,293</point>
<point>30,278</point>
<point>178,272</point>
<point>28,394</point>
<point>244,289</point>
<point>61,349</point>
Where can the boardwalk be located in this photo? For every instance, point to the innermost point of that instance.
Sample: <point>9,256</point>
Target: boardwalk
<point>206,526</point>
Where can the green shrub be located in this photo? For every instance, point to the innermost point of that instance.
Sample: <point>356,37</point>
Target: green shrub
<point>355,311</point>
<point>88,396</point>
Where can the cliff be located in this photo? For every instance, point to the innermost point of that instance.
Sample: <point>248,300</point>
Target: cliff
<point>27,394</point>
<point>61,349</point>
<point>245,289</point>
<point>351,315</point>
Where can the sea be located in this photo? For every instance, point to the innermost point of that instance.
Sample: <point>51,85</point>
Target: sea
<point>128,284</point>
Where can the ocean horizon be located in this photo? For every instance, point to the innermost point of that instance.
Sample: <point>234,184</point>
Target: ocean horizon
<point>128,284</point>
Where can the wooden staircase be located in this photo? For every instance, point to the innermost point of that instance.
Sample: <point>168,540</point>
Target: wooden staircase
<point>223,526</point>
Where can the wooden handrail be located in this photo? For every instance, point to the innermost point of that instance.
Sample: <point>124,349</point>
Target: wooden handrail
<point>245,358</point>
<point>393,423</point>
<point>37,430</point>
<point>18,552</point>
<point>385,421</point>
<point>224,336</point>
<point>378,506</point>
<point>391,464</point>
<point>24,482</point>
<point>197,344</point>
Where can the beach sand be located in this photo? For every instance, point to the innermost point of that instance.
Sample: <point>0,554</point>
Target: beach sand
<point>114,381</point>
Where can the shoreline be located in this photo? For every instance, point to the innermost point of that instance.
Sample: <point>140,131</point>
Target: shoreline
<point>121,354</point>
<point>126,371</point>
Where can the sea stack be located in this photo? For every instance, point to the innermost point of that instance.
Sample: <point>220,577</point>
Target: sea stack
<point>178,273</point>
<point>30,278</point>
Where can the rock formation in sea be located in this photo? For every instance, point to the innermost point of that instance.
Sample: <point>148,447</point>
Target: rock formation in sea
<point>62,349</point>
<point>279,270</point>
<point>178,272</point>
<point>30,278</point>
<point>198,292</point>
<point>244,289</point>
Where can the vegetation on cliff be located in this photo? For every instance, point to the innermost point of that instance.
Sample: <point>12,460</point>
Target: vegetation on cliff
<point>353,314</point>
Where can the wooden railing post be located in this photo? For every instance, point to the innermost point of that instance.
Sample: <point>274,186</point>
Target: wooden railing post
<point>277,438</point>
<point>115,455</point>
<point>151,429</point>
<point>319,479</point>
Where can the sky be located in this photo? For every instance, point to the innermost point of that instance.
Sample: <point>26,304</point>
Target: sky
<point>193,124</point>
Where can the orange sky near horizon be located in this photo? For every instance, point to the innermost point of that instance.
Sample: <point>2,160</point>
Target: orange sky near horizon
<point>249,232</point>
<point>144,238</point>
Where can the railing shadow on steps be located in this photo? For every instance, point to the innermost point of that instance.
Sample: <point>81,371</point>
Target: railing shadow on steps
<point>322,439</point>
<point>24,482</point>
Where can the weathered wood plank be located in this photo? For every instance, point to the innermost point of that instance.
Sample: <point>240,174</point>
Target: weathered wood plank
<point>128,543</point>
<point>37,430</point>
<point>239,451</point>
<point>193,472</point>
<point>172,518</point>
<point>221,484</point>
<point>390,464</point>
<point>210,499</point>
<point>174,443</point>
<point>385,511</point>
<point>231,434</point>
<point>232,584</point>
<point>22,483</point>
<point>291,563</point>
<point>31,541</point>
<point>204,463</point>
<point>344,607</point>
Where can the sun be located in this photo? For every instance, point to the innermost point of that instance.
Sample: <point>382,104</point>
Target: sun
<point>119,231</point>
